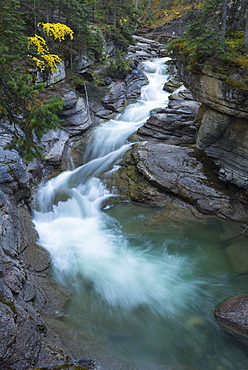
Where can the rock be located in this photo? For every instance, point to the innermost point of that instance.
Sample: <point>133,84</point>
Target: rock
<point>90,364</point>
<point>213,124</point>
<point>13,175</point>
<point>230,153</point>
<point>51,78</point>
<point>77,119</point>
<point>54,143</point>
<point>180,171</point>
<point>207,88</point>
<point>222,122</point>
<point>134,81</point>
<point>185,94</point>
<point>172,85</point>
<point>145,48</point>
<point>232,316</point>
<point>116,99</point>
<point>69,97</point>
<point>174,124</point>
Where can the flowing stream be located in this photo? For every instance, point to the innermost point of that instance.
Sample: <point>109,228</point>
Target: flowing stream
<point>143,286</point>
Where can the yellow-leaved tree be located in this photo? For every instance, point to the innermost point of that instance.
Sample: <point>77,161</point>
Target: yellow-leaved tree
<point>45,59</point>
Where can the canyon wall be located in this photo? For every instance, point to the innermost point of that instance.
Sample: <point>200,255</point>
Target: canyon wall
<point>222,121</point>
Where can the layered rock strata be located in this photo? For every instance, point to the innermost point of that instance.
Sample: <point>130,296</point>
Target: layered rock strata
<point>222,122</point>
<point>173,124</point>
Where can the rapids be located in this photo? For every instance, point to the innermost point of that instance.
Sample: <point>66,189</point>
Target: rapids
<point>146,289</point>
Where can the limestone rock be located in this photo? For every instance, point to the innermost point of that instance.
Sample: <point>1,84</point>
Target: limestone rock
<point>174,124</point>
<point>207,88</point>
<point>172,85</point>
<point>115,100</point>
<point>222,122</point>
<point>134,81</point>
<point>77,119</point>
<point>213,124</point>
<point>232,316</point>
<point>144,48</point>
<point>230,153</point>
<point>51,78</point>
<point>180,171</point>
<point>54,142</point>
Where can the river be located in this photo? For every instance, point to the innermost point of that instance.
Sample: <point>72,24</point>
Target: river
<point>143,287</point>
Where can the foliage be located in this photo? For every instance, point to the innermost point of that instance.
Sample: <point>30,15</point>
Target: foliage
<point>50,21</point>
<point>119,66</point>
<point>19,103</point>
<point>57,30</point>
<point>204,36</point>
<point>44,59</point>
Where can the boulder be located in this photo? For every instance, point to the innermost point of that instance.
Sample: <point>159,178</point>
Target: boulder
<point>54,143</point>
<point>232,316</point>
<point>135,79</point>
<point>172,84</point>
<point>116,99</point>
<point>174,124</point>
<point>181,171</point>
<point>77,119</point>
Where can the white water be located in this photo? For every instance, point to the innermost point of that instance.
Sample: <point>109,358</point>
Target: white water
<point>136,285</point>
<point>73,228</point>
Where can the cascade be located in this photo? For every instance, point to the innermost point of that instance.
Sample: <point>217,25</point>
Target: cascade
<point>149,290</point>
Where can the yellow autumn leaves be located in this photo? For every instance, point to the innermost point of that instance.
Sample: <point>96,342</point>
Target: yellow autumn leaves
<point>57,30</point>
<point>45,59</point>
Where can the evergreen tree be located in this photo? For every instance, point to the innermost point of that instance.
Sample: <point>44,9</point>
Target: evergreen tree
<point>19,103</point>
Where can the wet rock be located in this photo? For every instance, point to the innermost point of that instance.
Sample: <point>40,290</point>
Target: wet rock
<point>232,316</point>
<point>184,94</point>
<point>90,364</point>
<point>134,81</point>
<point>145,48</point>
<point>174,124</point>
<point>180,171</point>
<point>54,143</point>
<point>172,85</point>
<point>69,98</point>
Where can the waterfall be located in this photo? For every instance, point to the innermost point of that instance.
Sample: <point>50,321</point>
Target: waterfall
<point>73,228</point>
<point>149,289</point>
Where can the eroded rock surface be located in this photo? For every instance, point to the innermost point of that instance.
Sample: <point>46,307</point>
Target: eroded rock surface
<point>232,316</point>
<point>25,339</point>
<point>222,121</point>
<point>173,124</point>
<point>181,171</point>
